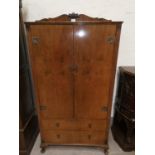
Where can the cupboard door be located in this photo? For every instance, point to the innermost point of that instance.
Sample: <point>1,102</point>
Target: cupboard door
<point>51,52</point>
<point>94,49</point>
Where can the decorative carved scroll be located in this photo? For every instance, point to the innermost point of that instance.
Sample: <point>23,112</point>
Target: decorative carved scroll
<point>75,16</point>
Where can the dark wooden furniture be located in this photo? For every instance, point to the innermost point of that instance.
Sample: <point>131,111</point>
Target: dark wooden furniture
<point>28,123</point>
<point>123,127</point>
<point>73,59</point>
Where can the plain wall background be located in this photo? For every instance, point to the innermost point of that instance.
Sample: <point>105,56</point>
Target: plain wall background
<point>116,10</point>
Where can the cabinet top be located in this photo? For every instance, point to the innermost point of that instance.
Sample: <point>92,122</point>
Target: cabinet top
<point>129,69</point>
<point>72,18</point>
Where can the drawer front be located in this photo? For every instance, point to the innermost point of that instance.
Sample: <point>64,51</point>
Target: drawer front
<point>73,137</point>
<point>88,125</point>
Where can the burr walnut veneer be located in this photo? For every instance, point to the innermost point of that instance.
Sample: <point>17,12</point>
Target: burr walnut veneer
<point>73,59</point>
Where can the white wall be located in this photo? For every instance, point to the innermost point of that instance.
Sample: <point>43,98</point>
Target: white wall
<point>118,10</point>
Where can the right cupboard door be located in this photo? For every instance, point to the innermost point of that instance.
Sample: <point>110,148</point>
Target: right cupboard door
<point>94,57</point>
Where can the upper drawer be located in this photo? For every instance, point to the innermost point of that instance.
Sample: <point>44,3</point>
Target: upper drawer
<point>82,124</point>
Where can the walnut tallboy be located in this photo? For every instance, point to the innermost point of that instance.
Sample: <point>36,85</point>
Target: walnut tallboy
<point>73,60</point>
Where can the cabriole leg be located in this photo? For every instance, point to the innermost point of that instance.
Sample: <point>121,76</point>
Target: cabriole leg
<point>43,149</point>
<point>106,151</point>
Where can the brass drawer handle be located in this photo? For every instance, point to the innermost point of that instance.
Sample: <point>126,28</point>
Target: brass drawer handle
<point>58,136</point>
<point>89,137</point>
<point>57,124</point>
<point>90,125</point>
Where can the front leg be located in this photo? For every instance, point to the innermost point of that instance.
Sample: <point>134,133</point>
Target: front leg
<point>43,146</point>
<point>43,149</point>
<point>106,151</point>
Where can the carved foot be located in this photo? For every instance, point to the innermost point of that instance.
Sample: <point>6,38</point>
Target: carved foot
<point>43,150</point>
<point>106,151</point>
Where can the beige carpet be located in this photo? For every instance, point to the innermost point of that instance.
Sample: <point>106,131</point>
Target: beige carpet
<point>114,149</point>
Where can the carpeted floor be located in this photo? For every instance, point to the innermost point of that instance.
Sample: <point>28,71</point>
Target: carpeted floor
<point>59,150</point>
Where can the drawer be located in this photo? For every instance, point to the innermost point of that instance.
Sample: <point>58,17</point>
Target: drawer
<point>73,137</point>
<point>88,125</point>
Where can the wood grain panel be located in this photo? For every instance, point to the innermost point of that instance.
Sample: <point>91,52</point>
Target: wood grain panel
<point>51,56</point>
<point>94,48</point>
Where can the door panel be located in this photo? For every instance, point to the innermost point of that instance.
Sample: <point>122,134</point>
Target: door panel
<point>94,47</point>
<point>51,58</point>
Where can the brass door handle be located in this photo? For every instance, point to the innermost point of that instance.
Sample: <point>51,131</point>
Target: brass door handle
<point>35,40</point>
<point>43,107</point>
<point>104,109</point>
<point>110,39</point>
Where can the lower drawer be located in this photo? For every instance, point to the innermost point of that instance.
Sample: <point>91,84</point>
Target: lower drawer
<point>73,137</point>
<point>79,125</point>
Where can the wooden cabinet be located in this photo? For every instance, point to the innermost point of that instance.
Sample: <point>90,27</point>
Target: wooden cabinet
<point>123,127</point>
<point>73,60</point>
<point>28,122</point>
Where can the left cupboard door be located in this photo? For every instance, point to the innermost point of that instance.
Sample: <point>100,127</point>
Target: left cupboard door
<point>50,53</point>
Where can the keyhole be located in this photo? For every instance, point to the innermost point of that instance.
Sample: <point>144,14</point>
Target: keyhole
<point>61,59</point>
